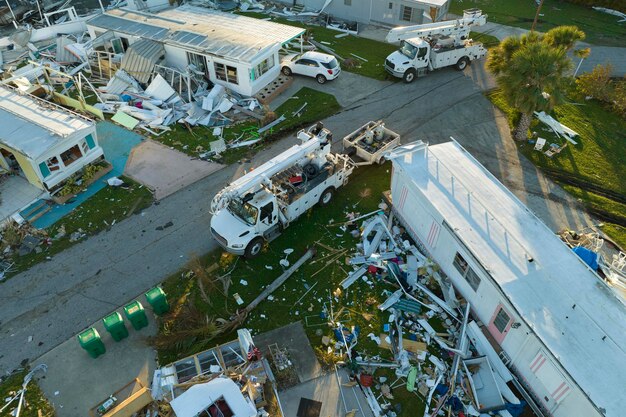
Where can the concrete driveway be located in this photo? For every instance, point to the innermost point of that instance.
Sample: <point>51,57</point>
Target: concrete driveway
<point>165,170</point>
<point>54,300</point>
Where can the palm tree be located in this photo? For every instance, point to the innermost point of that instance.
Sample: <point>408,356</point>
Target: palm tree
<point>532,71</point>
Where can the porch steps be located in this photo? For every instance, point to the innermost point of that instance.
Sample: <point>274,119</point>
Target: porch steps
<point>35,210</point>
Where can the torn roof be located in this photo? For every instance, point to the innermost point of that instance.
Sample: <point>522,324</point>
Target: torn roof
<point>209,31</point>
<point>576,316</point>
<point>32,126</point>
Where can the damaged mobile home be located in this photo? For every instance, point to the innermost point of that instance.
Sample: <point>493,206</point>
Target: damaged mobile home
<point>237,52</point>
<point>556,325</point>
<point>387,13</point>
<point>43,142</point>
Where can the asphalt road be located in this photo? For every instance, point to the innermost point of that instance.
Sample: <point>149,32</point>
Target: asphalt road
<point>56,299</point>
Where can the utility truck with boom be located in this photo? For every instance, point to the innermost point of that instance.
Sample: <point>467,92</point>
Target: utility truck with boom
<point>436,45</point>
<point>255,208</point>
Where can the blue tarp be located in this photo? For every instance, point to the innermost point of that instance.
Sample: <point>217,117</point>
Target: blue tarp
<point>588,256</point>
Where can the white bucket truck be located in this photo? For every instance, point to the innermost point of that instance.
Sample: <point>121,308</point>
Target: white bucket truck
<point>258,206</point>
<point>436,45</point>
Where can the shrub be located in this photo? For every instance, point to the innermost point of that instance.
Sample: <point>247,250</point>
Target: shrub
<point>597,83</point>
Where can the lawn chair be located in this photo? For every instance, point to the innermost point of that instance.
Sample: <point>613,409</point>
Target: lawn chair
<point>541,142</point>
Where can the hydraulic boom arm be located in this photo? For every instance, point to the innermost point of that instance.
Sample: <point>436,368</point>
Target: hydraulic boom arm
<point>456,28</point>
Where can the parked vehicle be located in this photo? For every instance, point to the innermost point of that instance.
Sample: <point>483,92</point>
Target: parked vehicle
<point>255,208</point>
<point>322,67</point>
<point>431,46</point>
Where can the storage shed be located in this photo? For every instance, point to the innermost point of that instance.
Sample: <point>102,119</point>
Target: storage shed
<point>238,52</point>
<point>557,325</point>
<point>43,142</point>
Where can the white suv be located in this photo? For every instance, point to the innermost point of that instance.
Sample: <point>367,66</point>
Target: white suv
<point>322,67</point>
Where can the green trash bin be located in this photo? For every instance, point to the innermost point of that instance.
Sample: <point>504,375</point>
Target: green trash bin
<point>136,315</point>
<point>157,299</point>
<point>91,342</point>
<point>114,324</point>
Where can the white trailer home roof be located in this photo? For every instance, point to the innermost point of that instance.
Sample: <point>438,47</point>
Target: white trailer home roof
<point>576,316</point>
<point>199,29</point>
<point>32,126</point>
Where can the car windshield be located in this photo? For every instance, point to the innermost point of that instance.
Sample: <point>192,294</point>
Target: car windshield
<point>244,211</point>
<point>408,50</point>
<point>331,64</point>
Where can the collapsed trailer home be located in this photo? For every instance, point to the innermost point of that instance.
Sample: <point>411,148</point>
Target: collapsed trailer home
<point>555,324</point>
<point>238,52</point>
<point>43,142</point>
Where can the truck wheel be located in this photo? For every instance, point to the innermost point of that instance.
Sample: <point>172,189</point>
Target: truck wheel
<point>462,64</point>
<point>409,76</point>
<point>326,196</point>
<point>286,71</point>
<point>310,171</point>
<point>254,248</point>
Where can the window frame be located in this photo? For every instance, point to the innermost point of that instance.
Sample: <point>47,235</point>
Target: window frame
<point>264,67</point>
<point>70,151</point>
<point>467,272</point>
<point>225,73</point>
<point>403,10</point>
<point>497,317</point>
<point>53,163</point>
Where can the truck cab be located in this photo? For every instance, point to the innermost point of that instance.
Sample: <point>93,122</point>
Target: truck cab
<point>246,222</point>
<point>412,57</point>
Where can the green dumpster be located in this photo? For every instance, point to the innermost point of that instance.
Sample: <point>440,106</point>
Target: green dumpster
<point>156,298</point>
<point>136,315</point>
<point>114,324</point>
<point>91,342</point>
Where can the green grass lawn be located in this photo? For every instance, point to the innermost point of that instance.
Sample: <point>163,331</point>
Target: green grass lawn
<point>319,106</point>
<point>373,51</point>
<point>593,171</point>
<point>488,40</point>
<point>601,28</point>
<point>362,195</point>
<point>109,205</point>
<point>34,398</point>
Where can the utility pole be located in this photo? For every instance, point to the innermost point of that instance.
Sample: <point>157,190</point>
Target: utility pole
<point>532,29</point>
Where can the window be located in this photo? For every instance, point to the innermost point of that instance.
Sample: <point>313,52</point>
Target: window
<point>226,73</point>
<point>263,67</point>
<point>53,164</point>
<point>422,52</point>
<point>198,61</point>
<point>466,271</point>
<point>117,45</point>
<point>331,64</point>
<point>347,2</point>
<point>307,62</point>
<point>502,320</point>
<point>84,147</point>
<point>390,6</point>
<point>406,13</point>
<point>71,155</point>
<point>267,211</point>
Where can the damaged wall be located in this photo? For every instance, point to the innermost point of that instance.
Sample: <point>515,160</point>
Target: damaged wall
<point>27,168</point>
